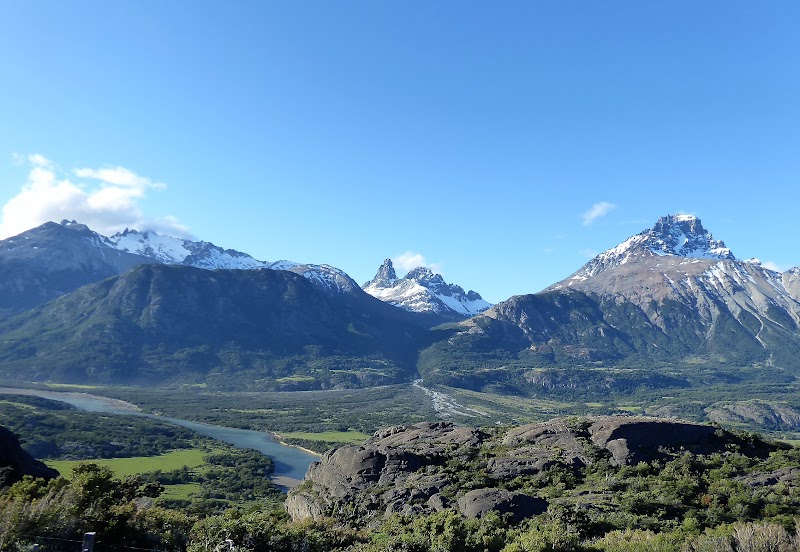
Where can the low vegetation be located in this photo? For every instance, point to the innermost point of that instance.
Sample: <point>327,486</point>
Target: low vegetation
<point>691,502</point>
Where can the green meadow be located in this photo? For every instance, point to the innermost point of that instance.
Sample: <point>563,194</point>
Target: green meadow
<point>122,467</point>
<point>349,436</point>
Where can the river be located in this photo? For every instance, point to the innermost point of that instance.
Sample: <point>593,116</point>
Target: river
<point>291,463</point>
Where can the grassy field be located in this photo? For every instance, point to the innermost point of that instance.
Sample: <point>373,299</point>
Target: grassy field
<point>67,386</point>
<point>350,436</point>
<point>18,404</point>
<point>191,458</point>
<point>181,491</point>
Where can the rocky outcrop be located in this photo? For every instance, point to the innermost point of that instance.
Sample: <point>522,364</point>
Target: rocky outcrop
<point>478,503</point>
<point>789,476</point>
<point>642,440</point>
<point>428,467</point>
<point>15,463</point>
<point>771,415</point>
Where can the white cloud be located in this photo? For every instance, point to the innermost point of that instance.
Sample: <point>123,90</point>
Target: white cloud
<point>108,205</point>
<point>410,260</point>
<point>775,266</point>
<point>39,160</point>
<point>119,176</point>
<point>596,211</point>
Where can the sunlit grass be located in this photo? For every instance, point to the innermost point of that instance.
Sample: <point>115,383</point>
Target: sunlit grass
<point>71,386</point>
<point>181,491</point>
<point>122,467</point>
<point>18,404</point>
<point>349,436</point>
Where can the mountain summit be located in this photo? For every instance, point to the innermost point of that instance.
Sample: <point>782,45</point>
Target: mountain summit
<point>424,291</point>
<point>671,236</point>
<point>679,260</point>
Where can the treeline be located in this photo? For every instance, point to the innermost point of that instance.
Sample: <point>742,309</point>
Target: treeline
<point>232,477</point>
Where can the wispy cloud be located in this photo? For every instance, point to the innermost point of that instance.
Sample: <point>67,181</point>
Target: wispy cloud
<point>588,253</point>
<point>107,203</point>
<point>411,259</point>
<point>596,211</point>
<point>775,266</point>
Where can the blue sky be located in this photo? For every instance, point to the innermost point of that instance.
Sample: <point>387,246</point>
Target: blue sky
<point>475,136</point>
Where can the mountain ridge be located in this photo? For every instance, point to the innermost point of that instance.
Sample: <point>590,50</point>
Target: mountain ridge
<point>54,259</point>
<point>167,323</point>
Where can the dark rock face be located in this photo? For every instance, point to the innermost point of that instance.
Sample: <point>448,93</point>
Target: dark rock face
<point>428,467</point>
<point>627,440</point>
<point>631,442</point>
<point>789,476</point>
<point>478,503</point>
<point>397,471</point>
<point>16,463</point>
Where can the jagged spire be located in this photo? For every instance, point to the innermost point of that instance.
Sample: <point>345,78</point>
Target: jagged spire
<point>386,271</point>
<point>385,276</point>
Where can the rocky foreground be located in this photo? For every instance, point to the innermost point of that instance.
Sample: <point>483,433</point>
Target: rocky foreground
<point>15,463</point>
<point>429,467</point>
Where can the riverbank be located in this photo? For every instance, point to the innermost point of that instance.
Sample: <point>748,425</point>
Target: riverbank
<point>84,401</point>
<point>278,439</point>
<point>291,462</point>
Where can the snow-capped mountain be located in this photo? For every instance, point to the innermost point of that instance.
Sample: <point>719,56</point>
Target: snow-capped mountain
<point>202,254</point>
<point>678,262</point>
<point>169,250</point>
<point>56,258</point>
<point>423,291</point>
<point>330,278</point>
<point>671,295</point>
<point>672,236</point>
<point>53,259</point>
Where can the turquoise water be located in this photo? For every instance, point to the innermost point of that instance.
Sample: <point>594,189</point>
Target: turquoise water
<point>289,461</point>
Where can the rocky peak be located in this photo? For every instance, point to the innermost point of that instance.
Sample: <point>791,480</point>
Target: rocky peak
<point>76,226</point>
<point>684,236</point>
<point>425,276</point>
<point>385,275</point>
<point>671,236</point>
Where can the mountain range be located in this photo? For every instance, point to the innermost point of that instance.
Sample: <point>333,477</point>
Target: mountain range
<point>54,259</point>
<point>423,291</point>
<point>669,307</point>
